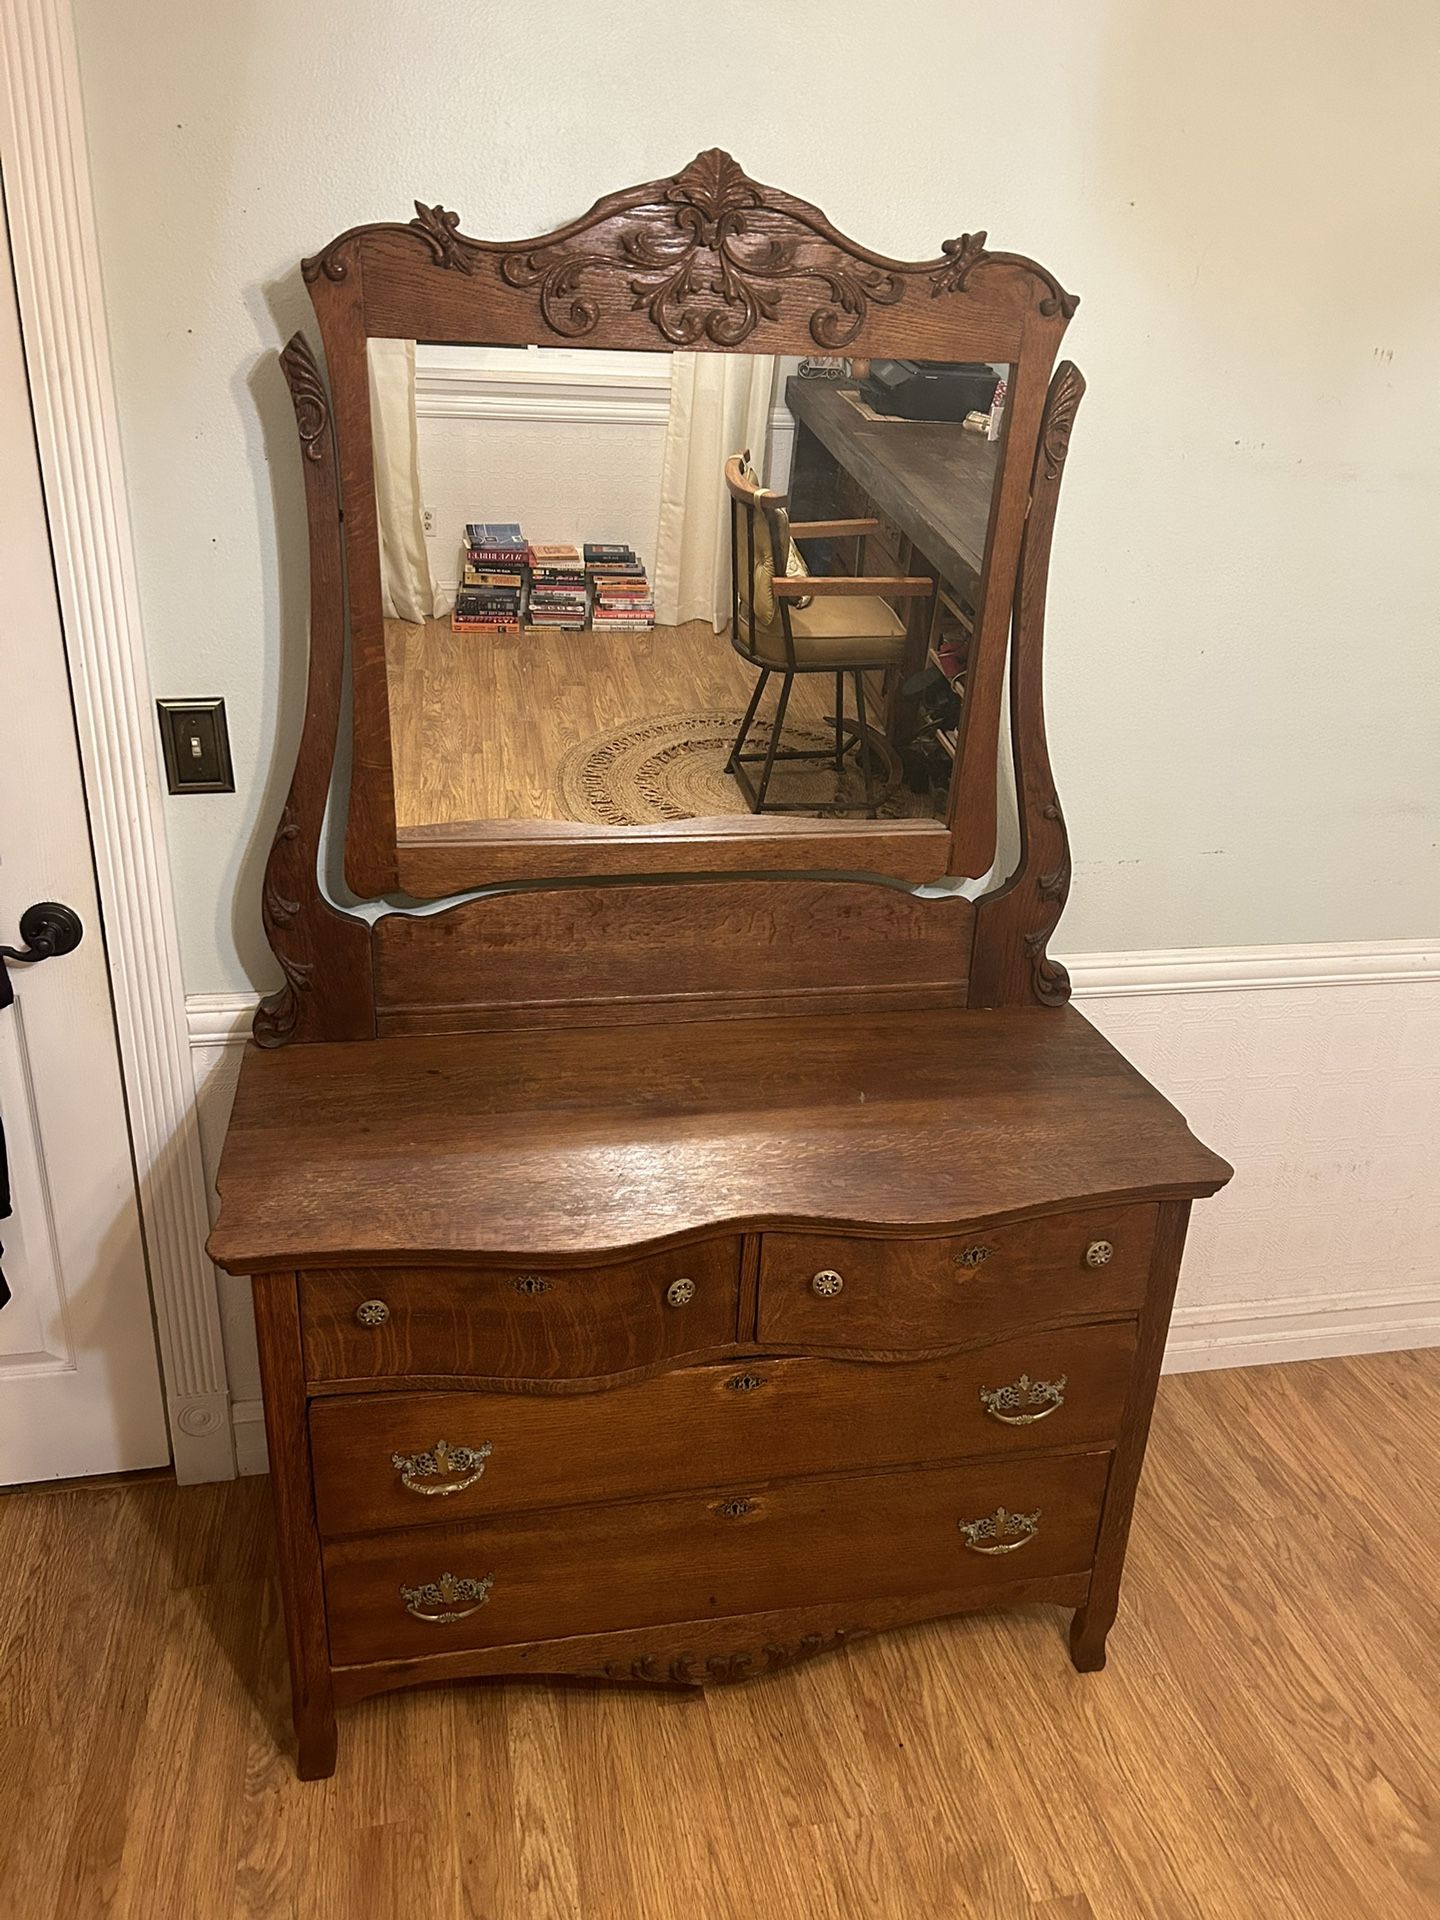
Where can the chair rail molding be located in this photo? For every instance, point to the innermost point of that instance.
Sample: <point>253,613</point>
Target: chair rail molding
<point>57,277</point>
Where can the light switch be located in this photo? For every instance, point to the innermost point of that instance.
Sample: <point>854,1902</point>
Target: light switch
<point>197,746</point>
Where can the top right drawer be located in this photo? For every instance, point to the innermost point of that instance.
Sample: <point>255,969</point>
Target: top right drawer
<point>837,1290</point>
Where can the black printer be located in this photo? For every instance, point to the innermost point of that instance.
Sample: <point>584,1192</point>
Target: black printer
<point>929,389</point>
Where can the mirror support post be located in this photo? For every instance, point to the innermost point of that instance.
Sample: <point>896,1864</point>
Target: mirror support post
<point>1010,965</point>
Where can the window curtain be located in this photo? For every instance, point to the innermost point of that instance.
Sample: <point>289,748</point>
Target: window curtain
<point>407,590</point>
<point>719,404</point>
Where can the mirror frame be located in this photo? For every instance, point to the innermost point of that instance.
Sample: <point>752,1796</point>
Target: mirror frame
<point>707,260</point>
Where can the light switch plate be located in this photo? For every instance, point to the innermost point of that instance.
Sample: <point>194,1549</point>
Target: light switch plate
<point>197,746</point>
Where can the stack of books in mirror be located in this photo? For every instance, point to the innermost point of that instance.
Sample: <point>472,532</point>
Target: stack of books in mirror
<point>494,567</point>
<point>621,600</point>
<point>558,595</point>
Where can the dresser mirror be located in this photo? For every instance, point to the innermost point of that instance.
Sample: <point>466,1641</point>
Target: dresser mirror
<point>683,375</point>
<point>580,619</point>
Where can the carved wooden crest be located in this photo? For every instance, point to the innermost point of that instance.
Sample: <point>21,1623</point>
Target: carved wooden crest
<point>707,255</point>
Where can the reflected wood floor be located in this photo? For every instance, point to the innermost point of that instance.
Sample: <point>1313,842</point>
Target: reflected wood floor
<point>1263,1742</point>
<point>479,724</point>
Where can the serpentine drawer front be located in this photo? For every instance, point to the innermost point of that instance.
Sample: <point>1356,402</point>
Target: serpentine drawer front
<point>530,1323</point>
<point>827,1290</point>
<point>946,1531</point>
<point>398,1460</point>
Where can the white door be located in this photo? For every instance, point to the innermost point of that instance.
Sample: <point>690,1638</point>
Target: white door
<point>79,1376</point>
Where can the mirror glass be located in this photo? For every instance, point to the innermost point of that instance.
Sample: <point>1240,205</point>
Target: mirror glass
<point>590,567</point>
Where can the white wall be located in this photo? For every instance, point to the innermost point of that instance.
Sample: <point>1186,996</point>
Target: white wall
<point>1244,643</point>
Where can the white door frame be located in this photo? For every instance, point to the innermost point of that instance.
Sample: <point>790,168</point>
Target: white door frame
<point>57,276</point>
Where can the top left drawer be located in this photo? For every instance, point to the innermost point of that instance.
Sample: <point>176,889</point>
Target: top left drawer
<point>519,1323</point>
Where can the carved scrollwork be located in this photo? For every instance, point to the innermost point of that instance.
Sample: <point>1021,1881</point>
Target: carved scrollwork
<point>440,230</point>
<point>965,255</point>
<point>278,1014</point>
<point>699,1669</point>
<point>436,226</point>
<point>708,255</point>
<point>307,393</point>
<point>1049,979</point>
<point>1061,408</point>
<point>711,261</point>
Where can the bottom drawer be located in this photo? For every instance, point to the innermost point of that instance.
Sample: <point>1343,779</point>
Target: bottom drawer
<point>543,1576</point>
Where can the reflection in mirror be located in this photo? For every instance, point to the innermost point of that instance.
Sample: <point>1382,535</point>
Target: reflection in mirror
<point>623,589</point>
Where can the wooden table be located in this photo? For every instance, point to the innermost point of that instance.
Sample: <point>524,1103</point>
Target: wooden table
<point>930,477</point>
<point>927,482</point>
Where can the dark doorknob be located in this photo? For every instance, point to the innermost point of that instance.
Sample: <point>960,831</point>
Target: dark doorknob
<point>48,929</point>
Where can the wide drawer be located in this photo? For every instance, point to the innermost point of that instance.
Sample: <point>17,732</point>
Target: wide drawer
<point>394,1460</point>
<point>577,1570</point>
<point>513,1323</point>
<point>825,1290</point>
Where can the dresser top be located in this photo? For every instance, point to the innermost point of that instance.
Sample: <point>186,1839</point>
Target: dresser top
<point>577,1144</point>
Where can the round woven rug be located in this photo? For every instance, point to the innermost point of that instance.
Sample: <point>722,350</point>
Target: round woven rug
<point>672,767</point>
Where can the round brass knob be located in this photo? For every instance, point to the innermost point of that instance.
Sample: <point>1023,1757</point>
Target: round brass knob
<point>827,1283</point>
<point>680,1293</point>
<point>372,1313</point>
<point>1099,1253</point>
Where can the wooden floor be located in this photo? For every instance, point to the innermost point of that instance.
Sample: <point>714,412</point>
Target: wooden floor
<point>1264,1744</point>
<point>479,725</point>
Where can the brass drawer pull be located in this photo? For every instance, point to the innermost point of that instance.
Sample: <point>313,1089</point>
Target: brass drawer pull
<point>1006,1532</point>
<point>680,1293</point>
<point>1006,1404</point>
<point>972,1256</point>
<point>435,1601</point>
<point>1099,1253</point>
<point>827,1283</point>
<point>443,1470</point>
<point>372,1313</point>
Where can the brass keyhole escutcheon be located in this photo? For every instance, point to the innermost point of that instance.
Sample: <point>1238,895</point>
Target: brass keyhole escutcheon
<point>372,1313</point>
<point>827,1283</point>
<point>680,1293</point>
<point>1099,1253</point>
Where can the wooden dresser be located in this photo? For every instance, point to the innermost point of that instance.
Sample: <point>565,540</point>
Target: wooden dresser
<point>669,1280</point>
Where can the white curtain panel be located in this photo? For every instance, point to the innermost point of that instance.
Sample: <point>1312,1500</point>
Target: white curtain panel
<point>719,404</point>
<point>407,590</point>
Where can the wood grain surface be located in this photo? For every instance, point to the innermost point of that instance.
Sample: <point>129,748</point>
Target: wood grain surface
<point>709,1555</point>
<point>573,956</point>
<point>702,1426</point>
<point>1262,1742</point>
<point>587,1143</point>
<point>930,479</point>
<point>927,1293</point>
<point>569,1323</point>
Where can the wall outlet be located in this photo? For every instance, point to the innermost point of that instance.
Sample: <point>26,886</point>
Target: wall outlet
<point>427,521</point>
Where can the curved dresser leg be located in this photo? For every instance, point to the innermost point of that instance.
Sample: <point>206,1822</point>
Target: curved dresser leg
<point>1088,1629</point>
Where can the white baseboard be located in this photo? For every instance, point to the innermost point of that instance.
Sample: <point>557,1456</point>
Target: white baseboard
<point>248,1419</point>
<point>1327,1103</point>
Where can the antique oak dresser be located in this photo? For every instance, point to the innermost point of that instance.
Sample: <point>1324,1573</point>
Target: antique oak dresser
<point>681,1250</point>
